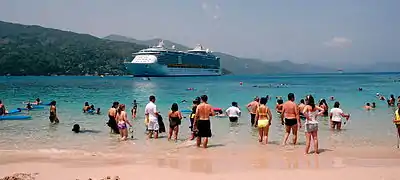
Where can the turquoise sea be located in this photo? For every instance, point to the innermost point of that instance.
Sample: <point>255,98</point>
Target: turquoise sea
<point>373,128</point>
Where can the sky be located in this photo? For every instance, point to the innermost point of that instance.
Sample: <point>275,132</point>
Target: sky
<point>333,32</point>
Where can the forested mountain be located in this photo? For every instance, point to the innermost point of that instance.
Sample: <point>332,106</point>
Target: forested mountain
<point>34,50</point>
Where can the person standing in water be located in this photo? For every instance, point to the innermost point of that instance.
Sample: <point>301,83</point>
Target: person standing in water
<point>3,110</point>
<point>301,108</point>
<point>336,115</point>
<point>233,112</point>
<point>202,121</point>
<point>175,118</point>
<point>196,102</point>
<point>396,119</point>
<point>112,114</point>
<point>252,108</point>
<point>122,121</point>
<point>151,115</point>
<point>53,113</point>
<point>263,117</point>
<point>311,111</point>
<point>290,116</point>
<point>134,109</point>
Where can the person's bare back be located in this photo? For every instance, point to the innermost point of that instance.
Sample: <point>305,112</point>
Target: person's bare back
<point>290,110</point>
<point>112,112</point>
<point>204,111</point>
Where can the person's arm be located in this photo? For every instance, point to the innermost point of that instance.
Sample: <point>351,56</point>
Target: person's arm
<point>239,112</point>
<point>269,115</point>
<point>212,113</point>
<point>226,112</point>
<point>180,115</point>
<point>257,116</point>
<point>321,110</point>
<point>125,116</point>
<point>155,111</point>
<point>282,113</point>
<point>248,106</point>
<point>296,111</point>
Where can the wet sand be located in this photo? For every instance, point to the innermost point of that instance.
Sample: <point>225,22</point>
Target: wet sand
<point>257,161</point>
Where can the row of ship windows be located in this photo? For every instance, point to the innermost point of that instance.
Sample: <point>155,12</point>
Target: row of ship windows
<point>192,66</point>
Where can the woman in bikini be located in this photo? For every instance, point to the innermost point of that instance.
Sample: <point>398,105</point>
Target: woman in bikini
<point>122,120</point>
<point>53,113</point>
<point>263,117</point>
<point>311,111</point>
<point>175,118</point>
<point>324,106</point>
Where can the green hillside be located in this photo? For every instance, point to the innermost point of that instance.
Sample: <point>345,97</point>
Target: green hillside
<point>34,50</point>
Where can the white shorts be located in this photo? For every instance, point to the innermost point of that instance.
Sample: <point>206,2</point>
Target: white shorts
<point>153,126</point>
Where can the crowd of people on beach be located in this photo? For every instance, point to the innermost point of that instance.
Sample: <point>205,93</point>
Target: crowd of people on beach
<point>289,113</point>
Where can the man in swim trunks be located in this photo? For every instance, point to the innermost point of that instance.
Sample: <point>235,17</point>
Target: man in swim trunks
<point>290,115</point>
<point>202,121</point>
<point>112,114</point>
<point>152,115</point>
<point>252,108</point>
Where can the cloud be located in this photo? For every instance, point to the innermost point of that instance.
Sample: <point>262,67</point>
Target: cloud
<point>340,42</point>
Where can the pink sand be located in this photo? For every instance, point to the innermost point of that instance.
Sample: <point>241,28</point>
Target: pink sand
<point>264,162</point>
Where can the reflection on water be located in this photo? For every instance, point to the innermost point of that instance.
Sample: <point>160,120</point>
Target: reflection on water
<point>201,165</point>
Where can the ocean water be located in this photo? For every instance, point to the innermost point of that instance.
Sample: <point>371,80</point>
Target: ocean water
<point>373,128</point>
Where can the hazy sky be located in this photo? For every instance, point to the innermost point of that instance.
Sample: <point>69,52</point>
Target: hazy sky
<point>334,31</point>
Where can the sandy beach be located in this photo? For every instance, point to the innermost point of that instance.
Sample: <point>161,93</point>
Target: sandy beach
<point>214,163</point>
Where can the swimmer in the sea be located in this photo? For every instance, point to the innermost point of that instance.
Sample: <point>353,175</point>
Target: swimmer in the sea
<point>37,102</point>
<point>368,107</point>
<point>391,101</point>
<point>332,98</point>
<point>77,129</point>
<point>183,101</point>
<point>373,105</point>
<point>3,110</point>
<point>86,107</point>
<point>324,105</point>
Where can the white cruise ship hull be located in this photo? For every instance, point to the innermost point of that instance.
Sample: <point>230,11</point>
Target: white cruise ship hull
<point>158,70</point>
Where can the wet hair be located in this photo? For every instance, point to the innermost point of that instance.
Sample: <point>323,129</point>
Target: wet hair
<point>37,99</point>
<point>53,103</point>
<point>310,101</point>
<point>1,102</point>
<point>115,104</point>
<point>196,101</point>
<point>336,105</point>
<point>302,101</point>
<point>152,98</point>
<point>76,128</point>
<point>174,107</point>
<point>263,100</point>
<point>280,101</point>
<point>86,103</point>
<point>204,98</point>
<point>391,96</point>
<point>267,96</point>
<point>121,107</point>
<point>290,97</point>
<point>234,104</point>
<point>368,104</point>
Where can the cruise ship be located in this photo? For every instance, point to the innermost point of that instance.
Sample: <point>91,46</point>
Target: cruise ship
<point>159,61</point>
